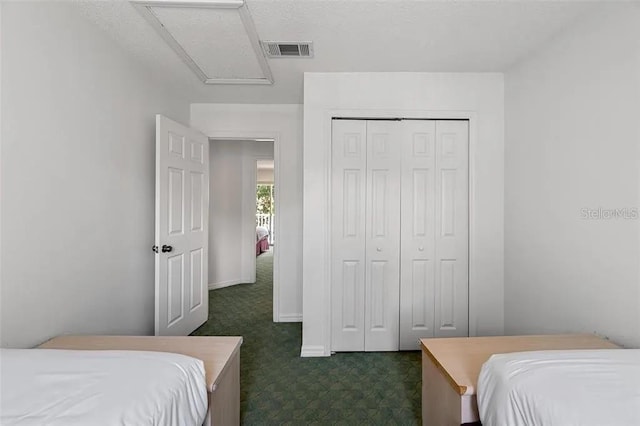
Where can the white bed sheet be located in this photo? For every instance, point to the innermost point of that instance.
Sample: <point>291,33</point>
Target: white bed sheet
<point>261,232</point>
<point>564,388</point>
<point>64,387</point>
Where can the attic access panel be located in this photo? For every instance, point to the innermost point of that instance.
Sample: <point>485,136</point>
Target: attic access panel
<point>216,39</point>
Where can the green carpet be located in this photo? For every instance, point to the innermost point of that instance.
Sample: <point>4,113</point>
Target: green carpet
<point>279,387</point>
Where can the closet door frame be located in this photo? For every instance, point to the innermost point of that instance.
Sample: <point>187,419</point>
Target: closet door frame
<point>383,114</point>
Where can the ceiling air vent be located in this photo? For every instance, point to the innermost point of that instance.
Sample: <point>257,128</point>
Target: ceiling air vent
<point>287,49</point>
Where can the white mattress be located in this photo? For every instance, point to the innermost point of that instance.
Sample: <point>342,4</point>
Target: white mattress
<point>563,388</point>
<point>60,387</point>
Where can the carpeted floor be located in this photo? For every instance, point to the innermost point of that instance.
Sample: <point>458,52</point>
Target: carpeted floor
<point>279,387</point>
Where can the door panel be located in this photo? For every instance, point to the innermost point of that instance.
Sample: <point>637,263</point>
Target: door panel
<point>352,199</point>
<point>198,279</point>
<point>348,177</point>
<point>418,233</point>
<point>175,284</point>
<point>448,202</point>
<point>382,283</point>
<point>377,290</point>
<point>182,209</point>
<point>176,201</point>
<point>422,296</point>
<point>351,292</point>
<point>197,197</point>
<point>452,223</point>
<point>421,193</point>
<point>379,204</point>
<point>447,298</point>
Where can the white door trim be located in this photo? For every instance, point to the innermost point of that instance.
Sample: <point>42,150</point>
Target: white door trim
<point>417,114</point>
<point>275,136</point>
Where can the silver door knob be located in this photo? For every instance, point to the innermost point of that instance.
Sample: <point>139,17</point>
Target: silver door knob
<point>378,249</point>
<point>420,248</point>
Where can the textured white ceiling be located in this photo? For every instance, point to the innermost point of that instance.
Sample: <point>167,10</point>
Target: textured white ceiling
<point>357,35</point>
<point>214,38</point>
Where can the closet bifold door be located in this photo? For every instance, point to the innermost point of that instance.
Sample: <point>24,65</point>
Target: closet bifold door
<point>382,272</point>
<point>417,285</point>
<point>452,229</point>
<point>348,210</point>
<point>435,231</point>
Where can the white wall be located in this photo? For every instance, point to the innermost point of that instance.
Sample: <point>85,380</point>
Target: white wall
<point>479,96</point>
<point>232,210</point>
<point>77,181</point>
<point>283,123</point>
<point>225,213</point>
<point>573,142</point>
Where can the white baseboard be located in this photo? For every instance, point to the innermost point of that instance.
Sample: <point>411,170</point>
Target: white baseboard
<point>222,284</point>
<point>290,318</point>
<point>313,351</point>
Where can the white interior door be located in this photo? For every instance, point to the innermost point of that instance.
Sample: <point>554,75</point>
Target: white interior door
<point>452,229</point>
<point>182,208</point>
<point>435,230</point>
<point>348,192</point>
<point>382,272</point>
<point>417,274</point>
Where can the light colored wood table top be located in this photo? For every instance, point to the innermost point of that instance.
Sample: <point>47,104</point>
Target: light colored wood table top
<point>214,351</point>
<point>460,358</point>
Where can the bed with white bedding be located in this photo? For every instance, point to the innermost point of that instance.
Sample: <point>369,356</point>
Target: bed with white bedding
<point>261,233</point>
<point>70,387</point>
<point>262,240</point>
<point>563,388</point>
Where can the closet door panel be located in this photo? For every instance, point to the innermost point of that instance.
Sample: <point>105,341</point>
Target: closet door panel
<point>383,236</point>
<point>452,229</point>
<point>417,279</point>
<point>348,186</point>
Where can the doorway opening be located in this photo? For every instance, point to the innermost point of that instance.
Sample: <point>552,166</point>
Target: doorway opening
<point>236,168</point>
<point>265,206</point>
